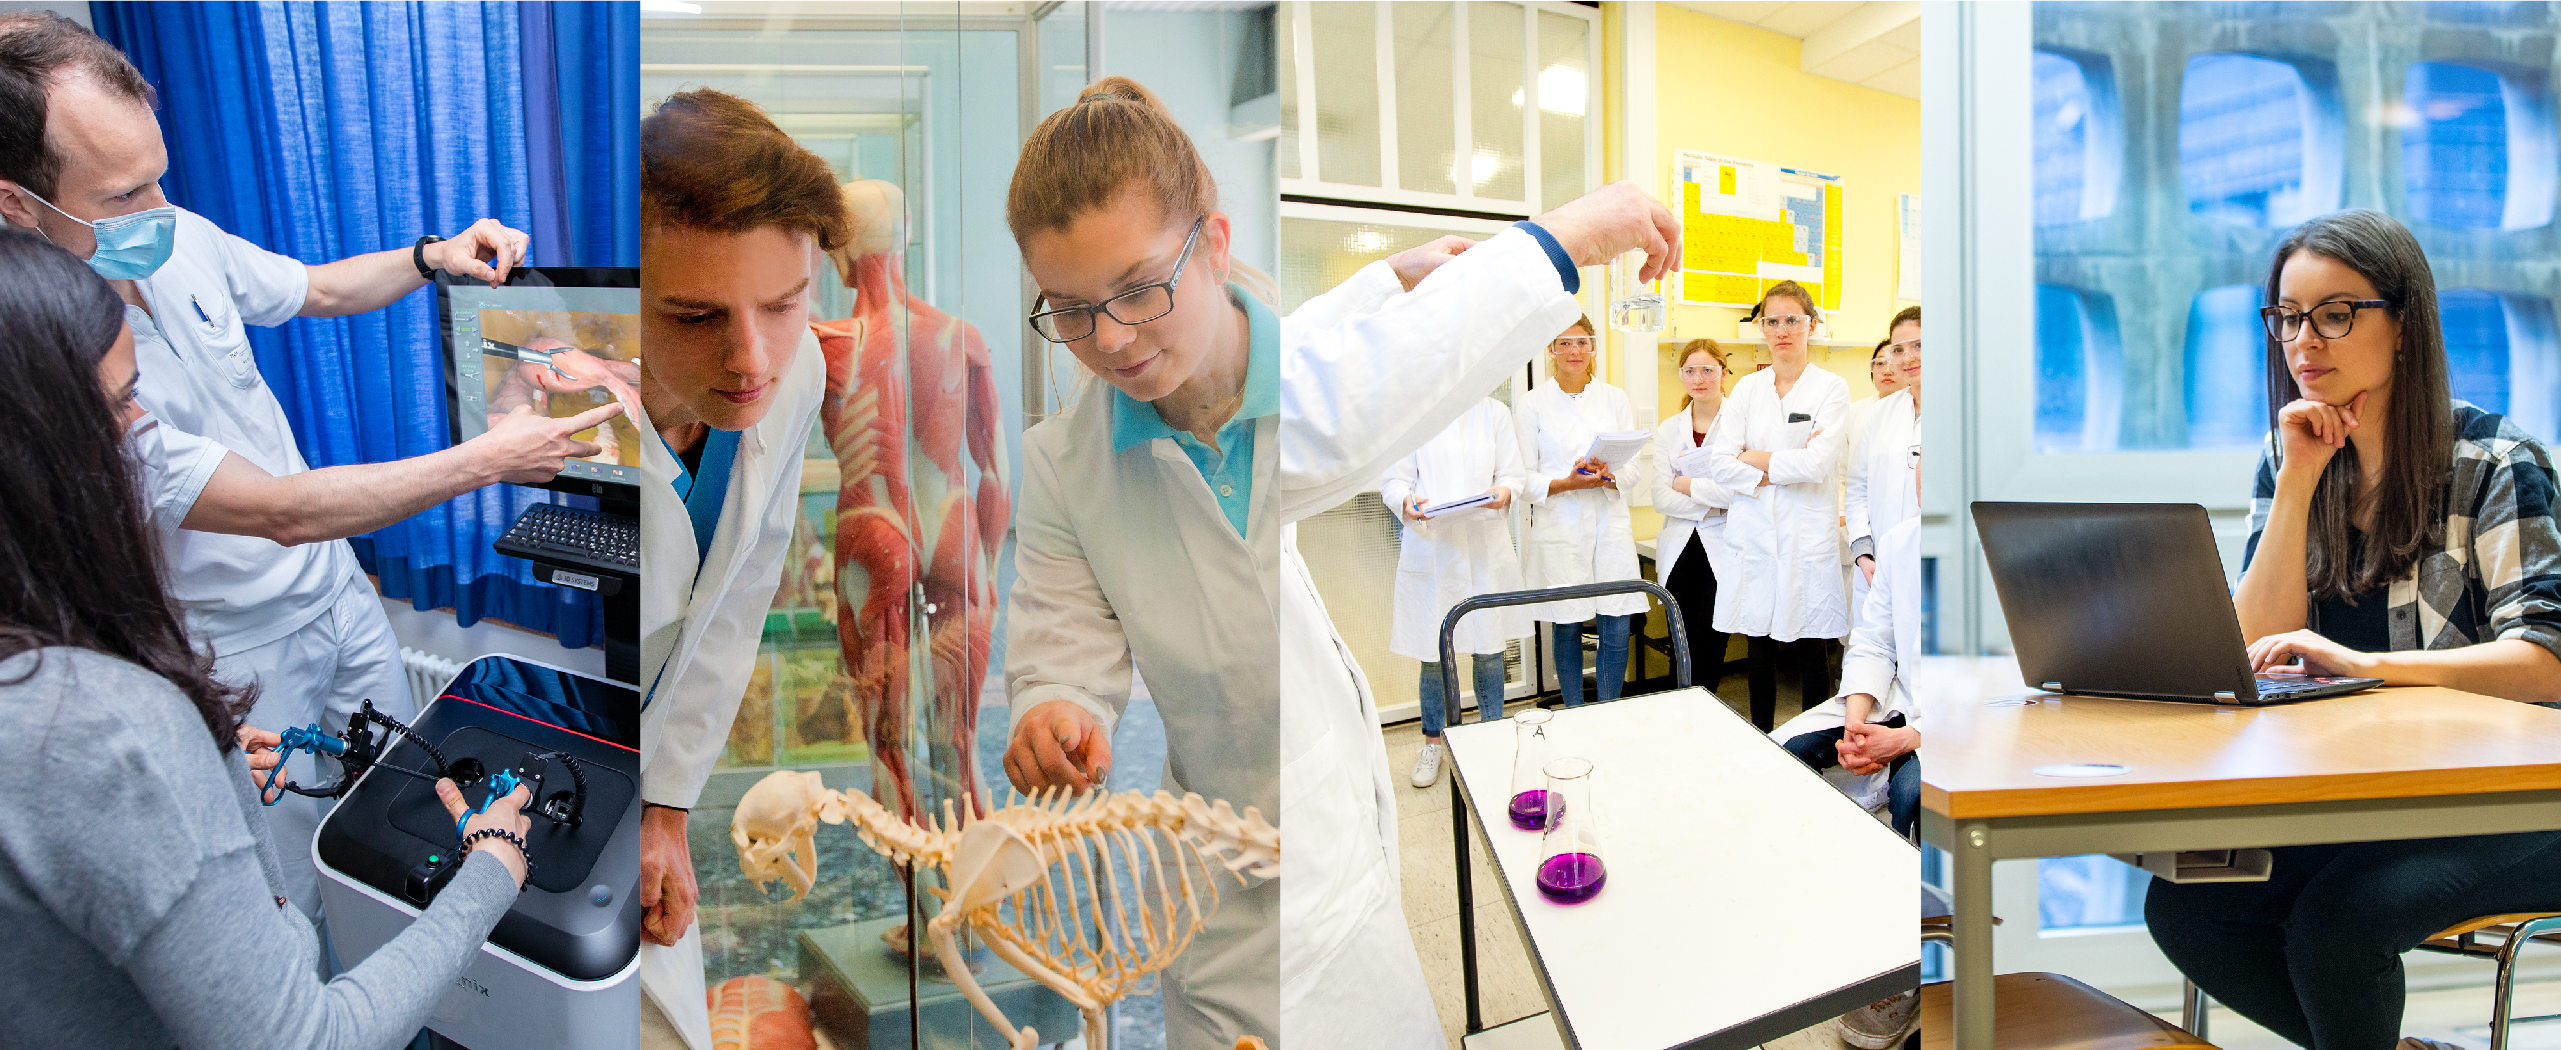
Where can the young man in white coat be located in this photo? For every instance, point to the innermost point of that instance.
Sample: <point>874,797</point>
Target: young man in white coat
<point>733,216</point>
<point>252,537</point>
<point>1874,496</point>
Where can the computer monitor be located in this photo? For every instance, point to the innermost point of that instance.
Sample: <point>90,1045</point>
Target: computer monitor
<point>499,344</point>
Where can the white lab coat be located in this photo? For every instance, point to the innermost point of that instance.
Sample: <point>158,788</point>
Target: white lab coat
<point>1463,553</point>
<point>700,621</point>
<point>1783,539</point>
<point>1123,560</point>
<point>1856,430</point>
<point>1888,639</point>
<point>1583,535</point>
<point>1700,514</point>
<point>1879,493</point>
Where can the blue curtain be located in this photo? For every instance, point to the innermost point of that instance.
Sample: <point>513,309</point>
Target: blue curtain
<point>324,130</point>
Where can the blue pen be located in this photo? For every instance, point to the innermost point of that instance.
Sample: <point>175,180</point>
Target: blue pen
<point>201,315</point>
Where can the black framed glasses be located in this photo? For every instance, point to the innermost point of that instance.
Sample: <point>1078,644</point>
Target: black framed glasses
<point>2332,319</point>
<point>1139,305</point>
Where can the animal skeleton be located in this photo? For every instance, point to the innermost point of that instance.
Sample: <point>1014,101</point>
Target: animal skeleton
<point>1015,877</point>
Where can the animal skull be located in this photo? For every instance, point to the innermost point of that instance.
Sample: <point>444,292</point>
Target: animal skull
<point>774,830</point>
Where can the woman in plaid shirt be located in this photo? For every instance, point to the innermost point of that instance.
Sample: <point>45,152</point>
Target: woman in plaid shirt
<point>2396,533</point>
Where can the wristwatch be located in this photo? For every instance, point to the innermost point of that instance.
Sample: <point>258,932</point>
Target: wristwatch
<point>418,257</point>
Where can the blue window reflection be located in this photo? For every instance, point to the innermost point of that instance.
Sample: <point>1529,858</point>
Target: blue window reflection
<point>2078,146</point>
<point>2247,133</point>
<point>2454,151</point>
<point>2088,891</point>
<point>2476,346</point>
<point>2227,387</point>
<point>2080,371</point>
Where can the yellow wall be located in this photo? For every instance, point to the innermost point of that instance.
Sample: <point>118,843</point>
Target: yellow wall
<point>1725,87</point>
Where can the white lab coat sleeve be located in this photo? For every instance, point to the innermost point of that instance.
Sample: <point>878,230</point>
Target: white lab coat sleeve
<point>176,466</point>
<point>1668,500</point>
<point>1062,639</point>
<point>1370,387</point>
<point>1397,485</point>
<point>1508,471</point>
<point>1798,466</point>
<point>700,706</point>
<point>1867,666</point>
<point>268,289</point>
<point>1725,447</point>
<point>1854,520</point>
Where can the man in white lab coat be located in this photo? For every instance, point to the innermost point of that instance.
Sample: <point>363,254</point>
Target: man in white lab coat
<point>252,536</point>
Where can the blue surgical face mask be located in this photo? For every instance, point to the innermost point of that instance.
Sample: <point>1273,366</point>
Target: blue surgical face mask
<point>130,247</point>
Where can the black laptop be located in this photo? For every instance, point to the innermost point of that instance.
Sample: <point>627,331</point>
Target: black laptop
<point>2127,599</point>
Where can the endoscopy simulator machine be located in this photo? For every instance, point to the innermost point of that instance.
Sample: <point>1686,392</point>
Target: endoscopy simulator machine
<point>561,970</point>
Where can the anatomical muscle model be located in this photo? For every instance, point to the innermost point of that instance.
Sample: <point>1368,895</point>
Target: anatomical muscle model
<point>1089,896</point>
<point>905,513</point>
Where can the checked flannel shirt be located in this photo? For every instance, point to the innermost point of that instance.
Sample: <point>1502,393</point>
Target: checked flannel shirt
<point>2497,573</point>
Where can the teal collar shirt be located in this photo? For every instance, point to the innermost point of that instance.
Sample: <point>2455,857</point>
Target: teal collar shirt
<point>1229,468</point>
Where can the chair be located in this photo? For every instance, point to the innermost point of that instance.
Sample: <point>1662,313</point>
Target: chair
<point>2463,938</point>
<point>2046,1011</point>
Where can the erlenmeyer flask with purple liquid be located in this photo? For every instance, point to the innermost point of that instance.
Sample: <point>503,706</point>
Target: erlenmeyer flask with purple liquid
<point>1531,806</point>
<point>1569,855</point>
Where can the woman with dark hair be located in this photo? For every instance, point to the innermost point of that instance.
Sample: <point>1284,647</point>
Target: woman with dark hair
<point>142,894</point>
<point>2396,533</point>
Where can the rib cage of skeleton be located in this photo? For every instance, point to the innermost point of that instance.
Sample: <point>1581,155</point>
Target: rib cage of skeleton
<point>1091,896</point>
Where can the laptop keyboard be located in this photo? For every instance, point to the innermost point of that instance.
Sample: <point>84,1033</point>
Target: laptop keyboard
<point>2289,684</point>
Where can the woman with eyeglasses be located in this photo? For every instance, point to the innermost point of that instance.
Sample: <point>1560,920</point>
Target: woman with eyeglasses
<point>1692,538</point>
<point>1579,530</point>
<point>1155,535</point>
<point>1775,446</point>
<point>2396,533</point>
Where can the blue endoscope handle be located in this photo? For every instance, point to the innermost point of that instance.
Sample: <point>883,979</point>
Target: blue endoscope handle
<point>501,784</point>
<point>300,738</point>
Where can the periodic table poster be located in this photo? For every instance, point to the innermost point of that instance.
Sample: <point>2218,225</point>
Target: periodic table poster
<point>1747,225</point>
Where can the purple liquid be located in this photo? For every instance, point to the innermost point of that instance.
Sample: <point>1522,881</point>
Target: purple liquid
<point>1530,808</point>
<point>1571,878</point>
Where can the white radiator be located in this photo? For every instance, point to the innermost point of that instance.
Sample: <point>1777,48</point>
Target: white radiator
<point>428,674</point>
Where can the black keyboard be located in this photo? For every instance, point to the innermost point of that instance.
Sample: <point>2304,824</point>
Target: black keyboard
<point>551,532</point>
<point>2272,685</point>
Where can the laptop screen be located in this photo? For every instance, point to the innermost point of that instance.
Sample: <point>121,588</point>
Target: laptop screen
<point>558,340</point>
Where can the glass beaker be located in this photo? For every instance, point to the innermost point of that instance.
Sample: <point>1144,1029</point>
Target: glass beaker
<point>1569,856</point>
<point>1529,808</point>
<point>1635,306</point>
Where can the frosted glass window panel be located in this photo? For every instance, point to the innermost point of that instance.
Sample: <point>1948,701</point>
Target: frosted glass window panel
<point>1495,164</point>
<point>2078,138</point>
<point>2087,892</point>
<point>1356,576</point>
<point>1347,134</point>
<point>1564,99</point>
<point>2080,371</point>
<point>2476,346</point>
<point>1286,31</point>
<point>1427,157</point>
<point>2227,384</point>
<point>2491,13</point>
<point>2534,366</point>
<point>2257,145</point>
<point>1317,254</point>
<point>2477,146</point>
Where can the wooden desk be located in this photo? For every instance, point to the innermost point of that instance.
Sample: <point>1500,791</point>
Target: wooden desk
<point>2398,763</point>
<point>1723,851</point>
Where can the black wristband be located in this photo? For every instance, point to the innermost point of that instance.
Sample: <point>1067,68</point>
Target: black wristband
<point>418,257</point>
<point>512,838</point>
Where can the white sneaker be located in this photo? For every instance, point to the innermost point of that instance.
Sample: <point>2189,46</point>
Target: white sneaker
<point>1427,766</point>
<point>1880,1024</point>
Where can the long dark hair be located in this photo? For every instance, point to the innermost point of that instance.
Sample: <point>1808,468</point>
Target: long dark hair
<point>2418,423</point>
<point>78,564</point>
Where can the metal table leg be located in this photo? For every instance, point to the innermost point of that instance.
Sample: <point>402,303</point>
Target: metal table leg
<point>1466,904</point>
<point>1972,872</point>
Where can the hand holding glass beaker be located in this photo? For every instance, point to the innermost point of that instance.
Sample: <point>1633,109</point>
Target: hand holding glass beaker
<point>1635,306</point>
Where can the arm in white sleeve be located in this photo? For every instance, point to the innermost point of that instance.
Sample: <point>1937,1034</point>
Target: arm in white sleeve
<point>1525,424</point>
<point>1725,445</point>
<point>1063,641</point>
<point>1854,523</point>
<point>686,724</point>
<point>1361,391</point>
<point>1397,485</point>
<point>1670,501</point>
<point>1508,471</point>
<point>1799,466</point>
<point>1867,666</point>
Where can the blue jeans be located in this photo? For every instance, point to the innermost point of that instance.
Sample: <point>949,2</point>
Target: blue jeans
<point>1902,776</point>
<point>1489,693</point>
<point>1568,639</point>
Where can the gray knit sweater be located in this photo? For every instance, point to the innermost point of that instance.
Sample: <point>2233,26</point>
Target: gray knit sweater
<point>138,888</point>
